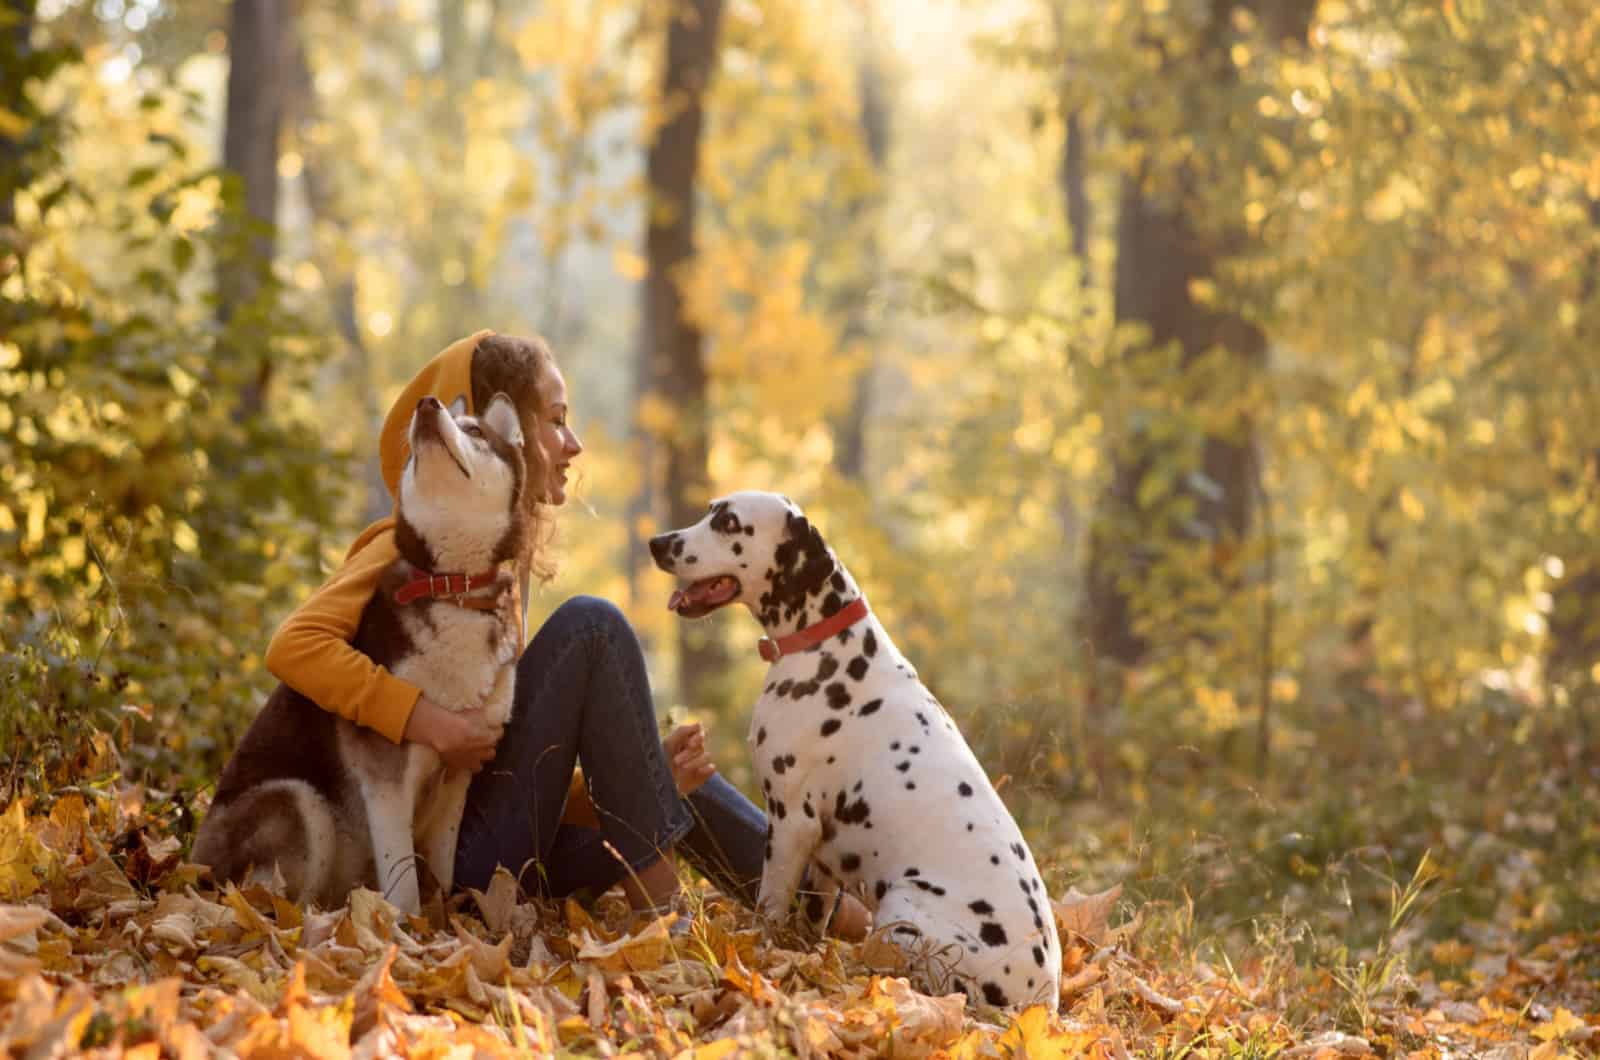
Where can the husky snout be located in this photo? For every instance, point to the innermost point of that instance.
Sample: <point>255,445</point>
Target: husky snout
<point>432,422</point>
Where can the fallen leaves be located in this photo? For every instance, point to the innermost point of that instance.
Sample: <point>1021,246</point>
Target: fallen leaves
<point>117,945</point>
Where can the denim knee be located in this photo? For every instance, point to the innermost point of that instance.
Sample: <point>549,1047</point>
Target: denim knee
<point>582,613</point>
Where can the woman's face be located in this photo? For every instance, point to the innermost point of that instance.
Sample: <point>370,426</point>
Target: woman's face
<point>556,440</point>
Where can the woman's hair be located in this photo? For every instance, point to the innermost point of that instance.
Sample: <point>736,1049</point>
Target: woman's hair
<point>506,364</point>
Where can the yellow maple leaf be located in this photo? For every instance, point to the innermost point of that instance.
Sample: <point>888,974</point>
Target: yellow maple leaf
<point>21,854</point>
<point>1558,1026</point>
<point>1031,1035</point>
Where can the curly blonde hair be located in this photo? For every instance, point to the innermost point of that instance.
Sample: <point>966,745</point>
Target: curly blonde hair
<point>515,367</point>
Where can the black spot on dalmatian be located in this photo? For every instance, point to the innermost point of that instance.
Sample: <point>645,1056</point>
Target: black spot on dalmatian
<point>894,745</point>
<point>814,908</point>
<point>869,708</point>
<point>965,789</point>
<point>922,719</point>
<point>838,696</point>
<point>969,826</point>
<point>831,726</point>
<point>738,549</point>
<point>802,689</point>
<point>858,667</point>
<point>761,736</point>
<point>850,862</point>
<point>806,807</point>
<point>994,995</point>
<point>903,766</point>
<point>749,531</point>
<point>992,933</point>
<point>826,668</point>
<point>826,871</point>
<point>880,890</point>
<point>931,888</point>
<point>768,690</point>
<point>1022,853</point>
<point>781,763</point>
<point>1038,958</point>
<point>829,830</point>
<point>994,859</point>
<point>837,581</point>
<point>915,749</point>
<point>913,871</point>
<point>779,809</point>
<point>830,760</point>
<point>981,907</point>
<point>677,547</point>
<point>831,605</point>
<point>869,644</point>
<point>911,785</point>
<point>784,686</point>
<point>858,785</point>
<point>852,812</point>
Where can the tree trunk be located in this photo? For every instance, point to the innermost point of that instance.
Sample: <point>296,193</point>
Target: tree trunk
<point>256,34</point>
<point>1160,256</point>
<point>672,355</point>
<point>1572,655</point>
<point>15,50</point>
<point>850,446</point>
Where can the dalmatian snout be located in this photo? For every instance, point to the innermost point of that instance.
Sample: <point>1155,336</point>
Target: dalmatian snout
<point>661,550</point>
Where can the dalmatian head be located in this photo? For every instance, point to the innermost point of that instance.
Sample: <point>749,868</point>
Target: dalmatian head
<point>756,549</point>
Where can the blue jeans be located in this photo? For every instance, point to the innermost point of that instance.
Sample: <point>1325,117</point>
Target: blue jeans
<point>583,696</point>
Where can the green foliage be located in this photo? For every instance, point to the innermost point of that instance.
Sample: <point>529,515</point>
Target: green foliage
<point>150,533</point>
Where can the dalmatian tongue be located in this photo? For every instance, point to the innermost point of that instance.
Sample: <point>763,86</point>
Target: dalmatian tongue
<point>703,596</point>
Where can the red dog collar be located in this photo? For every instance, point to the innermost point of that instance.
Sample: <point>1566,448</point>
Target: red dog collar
<point>444,587</point>
<point>847,616</point>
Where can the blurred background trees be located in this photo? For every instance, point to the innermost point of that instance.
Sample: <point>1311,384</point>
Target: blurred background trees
<point>1205,392</point>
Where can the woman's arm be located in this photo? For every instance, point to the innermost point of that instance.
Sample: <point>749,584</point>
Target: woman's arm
<point>312,654</point>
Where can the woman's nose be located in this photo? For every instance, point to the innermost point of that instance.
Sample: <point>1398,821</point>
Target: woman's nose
<point>573,446</point>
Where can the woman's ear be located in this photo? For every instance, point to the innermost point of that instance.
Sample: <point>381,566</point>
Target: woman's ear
<point>501,417</point>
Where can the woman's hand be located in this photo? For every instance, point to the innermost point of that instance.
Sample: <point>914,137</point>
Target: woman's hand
<point>464,739</point>
<point>686,752</point>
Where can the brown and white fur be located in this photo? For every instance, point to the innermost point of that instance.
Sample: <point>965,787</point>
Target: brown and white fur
<point>333,805</point>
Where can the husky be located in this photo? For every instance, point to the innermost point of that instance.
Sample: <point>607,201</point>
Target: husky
<point>333,806</point>
<point>868,782</point>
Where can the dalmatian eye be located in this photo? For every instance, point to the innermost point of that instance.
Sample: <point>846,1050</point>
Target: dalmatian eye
<point>726,523</point>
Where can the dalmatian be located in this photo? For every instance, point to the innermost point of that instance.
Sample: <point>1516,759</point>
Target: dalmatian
<point>868,781</point>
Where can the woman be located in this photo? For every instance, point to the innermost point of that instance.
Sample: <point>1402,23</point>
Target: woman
<point>582,693</point>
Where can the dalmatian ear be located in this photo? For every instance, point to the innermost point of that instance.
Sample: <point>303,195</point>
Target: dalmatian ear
<point>501,418</point>
<point>803,560</point>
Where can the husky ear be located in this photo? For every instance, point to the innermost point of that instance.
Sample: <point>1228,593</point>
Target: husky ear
<point>458,407</point>
<point>502,419</point>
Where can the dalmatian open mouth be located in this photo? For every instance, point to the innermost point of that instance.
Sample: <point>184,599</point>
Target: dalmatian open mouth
<point>700,598</point>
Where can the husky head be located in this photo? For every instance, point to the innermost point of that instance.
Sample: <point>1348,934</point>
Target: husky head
<point>461,486</point>
<point>757,549</point>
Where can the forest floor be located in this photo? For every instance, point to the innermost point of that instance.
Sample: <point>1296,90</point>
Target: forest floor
<point>111,944</point>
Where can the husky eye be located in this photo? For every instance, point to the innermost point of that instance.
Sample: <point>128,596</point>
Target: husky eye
<point>473,429</point>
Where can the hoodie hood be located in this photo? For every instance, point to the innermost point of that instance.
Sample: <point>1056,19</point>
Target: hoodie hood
<point>447,377</point>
